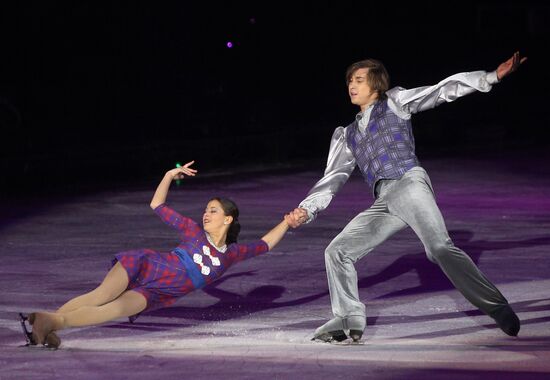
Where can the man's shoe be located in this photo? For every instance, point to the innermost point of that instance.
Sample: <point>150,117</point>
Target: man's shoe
<point>356,325</point>
<point>355,335</point>
<point>335,329</point>
<point>507,320</point>
<point>331,336</point>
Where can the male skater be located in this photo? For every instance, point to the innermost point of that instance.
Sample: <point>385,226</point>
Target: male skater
<point>381,143</point>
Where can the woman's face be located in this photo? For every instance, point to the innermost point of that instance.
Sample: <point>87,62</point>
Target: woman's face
<point>214,218</point>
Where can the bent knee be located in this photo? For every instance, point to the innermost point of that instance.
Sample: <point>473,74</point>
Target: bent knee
<point>132,302</point>
<point>103,294</point>
<point>439,251</point>
<point>335,252</point>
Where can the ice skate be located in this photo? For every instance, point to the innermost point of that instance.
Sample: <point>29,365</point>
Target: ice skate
<point>335,329</point>
<point>507,320</point>
<point>43,330</point>
<point>50,341</point>
<point>356,325</point>
<point>355,335</point>
<point>332,331</point>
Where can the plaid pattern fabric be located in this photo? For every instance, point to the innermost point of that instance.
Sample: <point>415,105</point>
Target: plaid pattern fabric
<point>186,227</point>
<point>159,277</point>
<point>162,277</point>
<point>386,149</point>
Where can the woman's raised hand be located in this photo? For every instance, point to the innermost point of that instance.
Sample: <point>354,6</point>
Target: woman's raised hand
<point>162,189</point>
<point>182,171</point>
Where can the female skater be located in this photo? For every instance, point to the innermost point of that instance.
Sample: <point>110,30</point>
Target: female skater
<point>145,279</point>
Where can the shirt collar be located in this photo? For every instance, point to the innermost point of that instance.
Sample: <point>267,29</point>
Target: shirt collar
<point>360,115</point>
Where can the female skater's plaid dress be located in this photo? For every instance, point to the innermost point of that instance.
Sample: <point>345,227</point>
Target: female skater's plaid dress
<point>163,277</point>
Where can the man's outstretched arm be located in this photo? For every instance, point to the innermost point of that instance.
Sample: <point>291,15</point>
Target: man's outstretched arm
<point>340,165</point>
<point>405,102</point>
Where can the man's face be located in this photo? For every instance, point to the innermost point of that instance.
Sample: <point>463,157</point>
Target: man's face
<point>359,90</point>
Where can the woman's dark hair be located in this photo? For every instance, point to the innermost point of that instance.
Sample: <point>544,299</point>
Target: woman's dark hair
<point>230,209</point>
<point>377,75</point>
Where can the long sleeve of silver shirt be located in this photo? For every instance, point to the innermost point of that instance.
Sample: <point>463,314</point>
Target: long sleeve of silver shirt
<point>340,165</point>
<point>404,103</point>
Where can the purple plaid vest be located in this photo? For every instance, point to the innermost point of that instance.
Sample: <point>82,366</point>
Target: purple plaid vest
<point>386,150</point>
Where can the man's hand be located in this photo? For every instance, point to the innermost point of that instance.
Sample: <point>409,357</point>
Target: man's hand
<point>510,65</point>
<point>296,218</point>
<point>291,221</point>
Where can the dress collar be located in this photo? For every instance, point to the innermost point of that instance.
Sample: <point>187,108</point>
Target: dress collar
<point>222,249</point>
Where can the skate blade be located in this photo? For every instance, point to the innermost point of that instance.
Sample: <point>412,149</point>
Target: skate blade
<point>28,334</point>
<point>38,347</point>
<point>348,342</point>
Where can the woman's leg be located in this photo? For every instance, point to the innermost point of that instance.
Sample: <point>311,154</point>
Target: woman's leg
<point>115,282</point>
<point>129,303</point>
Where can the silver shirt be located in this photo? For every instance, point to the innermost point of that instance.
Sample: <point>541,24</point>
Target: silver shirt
<point>402,102</point>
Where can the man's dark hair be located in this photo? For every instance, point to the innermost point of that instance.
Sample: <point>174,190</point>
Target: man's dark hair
<point>377,75</point>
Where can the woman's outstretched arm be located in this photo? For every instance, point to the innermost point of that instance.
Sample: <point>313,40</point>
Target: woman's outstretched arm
<point>276,234</point>
<point>162,190</point>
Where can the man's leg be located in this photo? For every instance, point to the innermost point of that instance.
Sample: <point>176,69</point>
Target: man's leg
<point>363,233</point>
<point>412,200</point>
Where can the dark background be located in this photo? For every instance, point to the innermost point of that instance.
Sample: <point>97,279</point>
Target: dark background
<point>108,92</point>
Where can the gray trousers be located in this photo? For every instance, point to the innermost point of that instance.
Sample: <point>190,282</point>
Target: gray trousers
<point>408,201</point>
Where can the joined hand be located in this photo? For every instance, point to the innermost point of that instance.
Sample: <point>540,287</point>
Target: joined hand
<point>296,218</point>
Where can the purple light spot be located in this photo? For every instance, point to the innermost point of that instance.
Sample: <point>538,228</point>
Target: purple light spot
<point>229,44</point>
